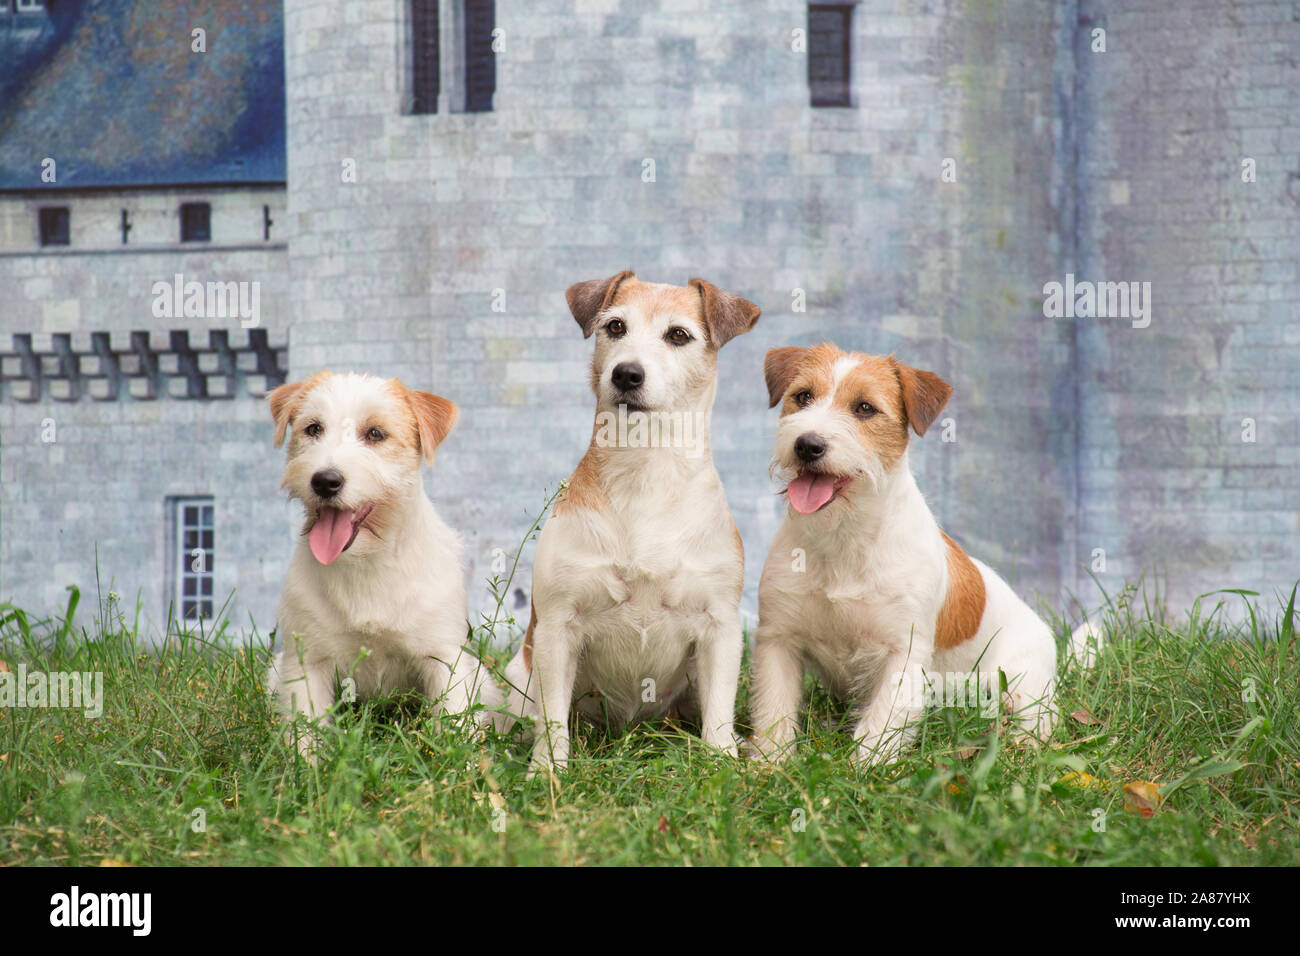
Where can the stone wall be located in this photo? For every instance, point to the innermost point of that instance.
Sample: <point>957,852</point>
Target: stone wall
<point>437,248</point>
<point>84,483</point>
<point>752,189</point>
<point>1169,478</point>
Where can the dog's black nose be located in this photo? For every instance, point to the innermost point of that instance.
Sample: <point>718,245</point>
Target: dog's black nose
<point>627,376</point>
<point>326,483</point>
<point>809,447</point>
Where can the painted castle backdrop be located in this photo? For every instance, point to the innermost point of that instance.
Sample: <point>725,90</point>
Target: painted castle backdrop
<point>406,187</point>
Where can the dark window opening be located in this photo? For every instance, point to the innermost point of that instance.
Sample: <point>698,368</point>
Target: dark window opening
<point>828,54</point>
<point>480,60</point>
<point>196,222</point>
<point>55,222</point>
<point>193,518</point>
<point>424,56</point>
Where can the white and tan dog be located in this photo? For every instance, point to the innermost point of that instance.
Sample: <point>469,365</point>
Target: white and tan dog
<point>860,584</point>
<point>638,572</point>
<point>374,591</point>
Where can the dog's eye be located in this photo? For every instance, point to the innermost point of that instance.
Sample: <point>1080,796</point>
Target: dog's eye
<point>615,328</point>
<point>375,435</point>
<point>678,335</point>
<point>313,430</point>
<point>865,409</point>
<point>803,399</point>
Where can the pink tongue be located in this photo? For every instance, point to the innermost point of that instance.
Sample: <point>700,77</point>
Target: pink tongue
<point>330,534</point>
<point>810,491</point>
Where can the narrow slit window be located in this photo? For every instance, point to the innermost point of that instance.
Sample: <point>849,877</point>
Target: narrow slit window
<point>425,62</point>
<point>194,556</point>
<point>480,58</point>
<point>829,61</point>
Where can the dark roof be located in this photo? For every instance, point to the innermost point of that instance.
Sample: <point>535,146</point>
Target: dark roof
<point>113,92</point>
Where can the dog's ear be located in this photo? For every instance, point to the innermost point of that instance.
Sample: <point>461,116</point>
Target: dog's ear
<point>283,401</point>
<point>924,395</point>
<point>588,299</point>
<point>434,417</point>
<point>725,315</point>
<point>778,368</point>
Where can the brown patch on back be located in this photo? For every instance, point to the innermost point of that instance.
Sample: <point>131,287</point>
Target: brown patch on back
<point>963,607</point>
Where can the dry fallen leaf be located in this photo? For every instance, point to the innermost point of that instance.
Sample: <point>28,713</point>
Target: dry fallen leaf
<point>1085,718</point>
<point>1084,781</point>
<point>663,825</point>
<point>485,768</point>
<point>1142,797</point>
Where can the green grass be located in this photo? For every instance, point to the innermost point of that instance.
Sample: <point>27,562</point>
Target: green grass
<point>187,727</point>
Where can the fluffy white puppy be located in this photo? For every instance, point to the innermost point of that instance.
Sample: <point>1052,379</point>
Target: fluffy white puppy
<point>374,599</point>
<point>862,587</point>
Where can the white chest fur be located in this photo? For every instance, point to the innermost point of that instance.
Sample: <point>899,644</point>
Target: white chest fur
<point>642,580</point>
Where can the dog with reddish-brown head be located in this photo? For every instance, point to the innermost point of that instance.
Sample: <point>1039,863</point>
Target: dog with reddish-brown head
<point>374,599</point>
<point>638,573</point>
<point>861,586</point>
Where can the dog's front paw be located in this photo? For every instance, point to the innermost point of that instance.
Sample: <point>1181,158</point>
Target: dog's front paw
<point>758,753</point>
<point>724,741</point>
<point>1032,725</point>
<point>545,766</point>
<point>550,756</point>
<point>763,749</point>
<point>304,741</point>
<point>878,750</point>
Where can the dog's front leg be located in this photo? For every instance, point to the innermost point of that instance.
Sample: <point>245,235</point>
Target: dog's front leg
<point>456,685</point>
<point>888,721</point>
<point>777,696</point>
<point>302,689</point>
<point>554,670</point>
<point>717,656</point>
